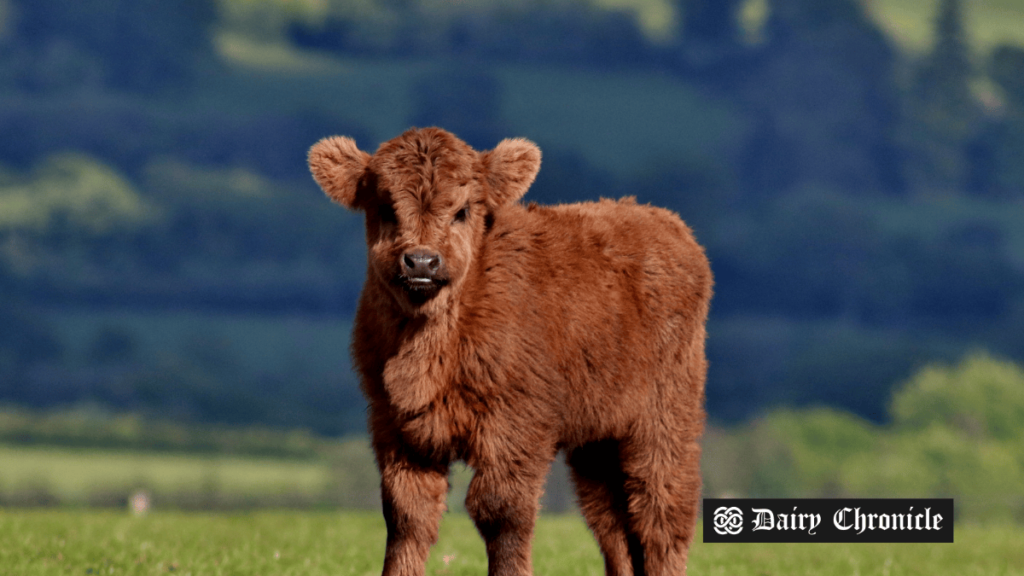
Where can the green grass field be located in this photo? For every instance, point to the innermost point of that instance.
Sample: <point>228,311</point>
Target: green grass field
<point>283,543</point>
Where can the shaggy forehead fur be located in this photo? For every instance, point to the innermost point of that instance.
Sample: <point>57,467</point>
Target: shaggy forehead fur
<point>420,163</point>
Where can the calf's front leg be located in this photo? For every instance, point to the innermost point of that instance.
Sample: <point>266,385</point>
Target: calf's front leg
<point>503,504</point>
<point>413,497</point>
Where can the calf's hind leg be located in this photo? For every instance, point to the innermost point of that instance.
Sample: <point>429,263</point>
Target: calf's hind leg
<point>663,492</point>
<point>597,475</point>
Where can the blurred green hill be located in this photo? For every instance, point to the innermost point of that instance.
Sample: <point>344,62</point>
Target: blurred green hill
<point>852,167</point>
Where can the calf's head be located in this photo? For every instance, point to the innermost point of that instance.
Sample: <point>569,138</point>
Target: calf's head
<point>428,199</point>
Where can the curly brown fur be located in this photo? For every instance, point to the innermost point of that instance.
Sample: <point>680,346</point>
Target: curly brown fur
<point>498,334</point>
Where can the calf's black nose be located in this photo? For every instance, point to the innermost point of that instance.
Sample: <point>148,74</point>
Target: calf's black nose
<point>421,263</point>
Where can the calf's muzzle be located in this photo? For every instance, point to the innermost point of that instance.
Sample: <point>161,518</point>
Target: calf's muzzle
<point>421,265</point>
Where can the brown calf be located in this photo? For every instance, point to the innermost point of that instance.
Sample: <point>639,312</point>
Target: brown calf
<point>498,334</point>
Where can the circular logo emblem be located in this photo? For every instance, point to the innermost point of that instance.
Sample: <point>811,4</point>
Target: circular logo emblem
<point>728,520</point>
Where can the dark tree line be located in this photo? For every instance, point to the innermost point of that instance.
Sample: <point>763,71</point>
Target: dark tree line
<point>137,45</point>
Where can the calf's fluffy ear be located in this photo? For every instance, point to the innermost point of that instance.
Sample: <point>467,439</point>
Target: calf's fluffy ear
<point>511,168</point>
<point>337,165</point>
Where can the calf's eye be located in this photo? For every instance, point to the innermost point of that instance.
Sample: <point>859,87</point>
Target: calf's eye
<point>387,214</point>
<point>461,215</point>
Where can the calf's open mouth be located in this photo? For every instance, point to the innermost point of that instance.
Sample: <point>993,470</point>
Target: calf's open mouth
<point>420,289</point>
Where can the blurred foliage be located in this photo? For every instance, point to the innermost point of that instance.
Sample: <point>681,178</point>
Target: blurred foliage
<point>861,205</point>
<point>1006,146</point>
<point>980,398</point>
<point>464,98</point>
<point>71,190</point>
<point>942,115</point>
<point>138,45</point>
<point>562,31</point>
<point>24,341</point>
<point>280,372</point>
<point>710,22</point>
<point>955,433</point>
<point>821,96</point>
<point>785,454</point>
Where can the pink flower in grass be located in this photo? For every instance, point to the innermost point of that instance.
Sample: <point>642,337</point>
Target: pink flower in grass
<point>139,502</point>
